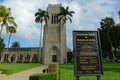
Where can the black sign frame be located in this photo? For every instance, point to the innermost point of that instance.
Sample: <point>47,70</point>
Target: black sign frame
<point>77,54</point>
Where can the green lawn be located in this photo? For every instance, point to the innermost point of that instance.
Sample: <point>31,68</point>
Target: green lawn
<point>111,72</point>
<point>17,67</point>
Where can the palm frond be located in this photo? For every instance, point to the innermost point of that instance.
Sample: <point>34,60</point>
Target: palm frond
<point>41,16</point>
<point>37,19</point>
<point>12,29</point>
<point>37,13</point>
<point>7,29</point>
<point>67,8</point>
<point>14,23</point>
<point>60,19</point>
<point>66,13</point>
<point>1,19</point>
<point>68,18</point>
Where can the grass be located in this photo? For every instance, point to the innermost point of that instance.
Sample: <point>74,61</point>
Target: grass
<point>17,67</point>
<point>111,72</point>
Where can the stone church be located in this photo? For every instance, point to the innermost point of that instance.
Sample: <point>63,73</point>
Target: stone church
<point>54,43</point>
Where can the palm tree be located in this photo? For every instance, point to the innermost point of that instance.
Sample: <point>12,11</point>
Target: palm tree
<point>107,24</point>
<point>41,16</point>
<point>65,14</point>
<point>15,45</point>
<point>11,30</point>
<point>6,19</point>
<point>3,13</point>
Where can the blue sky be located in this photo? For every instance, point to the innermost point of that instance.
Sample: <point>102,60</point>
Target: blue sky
<point>88,14</point>
<point>1,0</point>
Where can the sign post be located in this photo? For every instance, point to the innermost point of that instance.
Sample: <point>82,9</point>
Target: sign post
<point>87,54</point>
<point>77,78</point>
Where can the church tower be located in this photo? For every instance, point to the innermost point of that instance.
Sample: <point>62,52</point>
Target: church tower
<point>54,38</point>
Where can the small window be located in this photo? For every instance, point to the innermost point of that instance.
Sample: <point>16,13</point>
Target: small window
<point>54,19</point>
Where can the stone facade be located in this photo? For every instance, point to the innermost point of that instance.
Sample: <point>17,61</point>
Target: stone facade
<point>19,55</point>
<point>54,39</point>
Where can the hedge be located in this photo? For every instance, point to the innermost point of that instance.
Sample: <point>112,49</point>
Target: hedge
<point>43,76</point>
<point>6,71</point>
<point>53,67</point>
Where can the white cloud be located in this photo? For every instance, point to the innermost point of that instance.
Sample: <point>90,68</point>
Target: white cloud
<point>23,11</point>
<point>88,14</point>
<point>78,12</point>
<point>94,11</point>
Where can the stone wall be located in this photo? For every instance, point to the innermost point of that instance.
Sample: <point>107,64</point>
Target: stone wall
<point>19,55</point>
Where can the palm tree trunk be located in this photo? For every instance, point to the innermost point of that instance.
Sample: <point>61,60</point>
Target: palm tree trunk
<point>1,30</point>
<point>40,50</point>
<point>66,40</point>
<point>9,42</point>
<point>113,55</point>
<point>41,39</point>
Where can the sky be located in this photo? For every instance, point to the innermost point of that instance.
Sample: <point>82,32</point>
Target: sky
<point>88,14</point>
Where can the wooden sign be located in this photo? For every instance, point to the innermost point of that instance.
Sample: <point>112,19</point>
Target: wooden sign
<point>87,53</point>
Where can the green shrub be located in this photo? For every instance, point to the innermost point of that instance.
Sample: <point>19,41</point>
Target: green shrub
<point>44,76</point>
<point>53,73</point>
<point>6,71</point>
<point>53,67</point>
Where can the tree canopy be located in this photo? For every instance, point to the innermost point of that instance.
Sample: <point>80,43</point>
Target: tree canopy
<point>15,45</point>
<point>65,14</point>
<point>2,44</point>
<point>6,19</point>
<point>110,37</point>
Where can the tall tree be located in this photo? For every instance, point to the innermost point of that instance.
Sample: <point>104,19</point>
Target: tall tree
<point>115,34</point>
<point>15,45</point>
<point>11,30</point>
<point>6,18</point>
<point>40,17</point>
<point>2,45</point>
<point>107,24</point>
<point>105,45</point>
<point>65,14</point>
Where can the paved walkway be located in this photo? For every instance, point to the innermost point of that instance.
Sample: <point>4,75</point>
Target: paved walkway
<point>24,75</point>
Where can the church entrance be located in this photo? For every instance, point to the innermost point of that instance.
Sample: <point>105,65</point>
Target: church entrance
<point>54,54</point>
<point>54,58</point>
